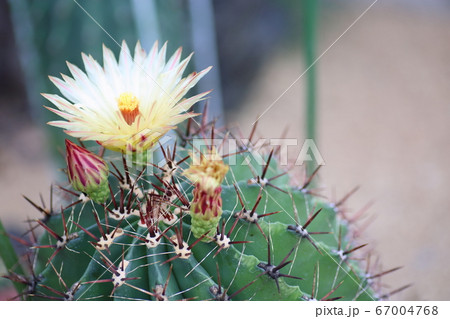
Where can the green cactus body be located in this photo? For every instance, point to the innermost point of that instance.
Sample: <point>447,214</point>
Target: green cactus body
<point>145,257</point>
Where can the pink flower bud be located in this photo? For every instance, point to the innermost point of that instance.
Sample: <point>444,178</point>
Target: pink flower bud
<point>87,172</point>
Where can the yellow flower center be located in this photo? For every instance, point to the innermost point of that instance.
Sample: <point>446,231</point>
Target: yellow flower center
<point>128,105</point>
<point>209,170</point>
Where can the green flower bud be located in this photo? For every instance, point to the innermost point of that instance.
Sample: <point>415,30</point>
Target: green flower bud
<point>206,209</point>
<point>206,206</point>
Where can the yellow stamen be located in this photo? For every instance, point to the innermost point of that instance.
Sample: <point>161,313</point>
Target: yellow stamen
<point>209,170</point>
<point>128,105</point>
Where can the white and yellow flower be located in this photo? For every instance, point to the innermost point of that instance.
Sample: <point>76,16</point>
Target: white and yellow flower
<point>126,105</point>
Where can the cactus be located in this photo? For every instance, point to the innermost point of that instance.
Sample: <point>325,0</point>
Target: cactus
<point>199,224</point>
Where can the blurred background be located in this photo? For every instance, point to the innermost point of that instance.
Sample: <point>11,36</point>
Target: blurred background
<point>368,80</point>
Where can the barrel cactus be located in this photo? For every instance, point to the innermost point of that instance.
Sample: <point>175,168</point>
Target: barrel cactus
<point>147,219</point>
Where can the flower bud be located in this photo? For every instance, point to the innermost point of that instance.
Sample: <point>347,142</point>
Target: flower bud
<point>87,172</point>
<point>206,206</point>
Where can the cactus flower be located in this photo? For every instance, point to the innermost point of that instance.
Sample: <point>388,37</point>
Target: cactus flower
<point>207,173</point>
<point>126,105</point>
<point>87,172</point>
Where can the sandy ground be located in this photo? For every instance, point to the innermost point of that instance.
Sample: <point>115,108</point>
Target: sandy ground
<point>24,169</point>
<point>384,123</point>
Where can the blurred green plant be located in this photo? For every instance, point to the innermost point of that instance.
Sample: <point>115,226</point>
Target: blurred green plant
<point>47,30</point>
<point>10,258</point>
<point>310,13</point>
